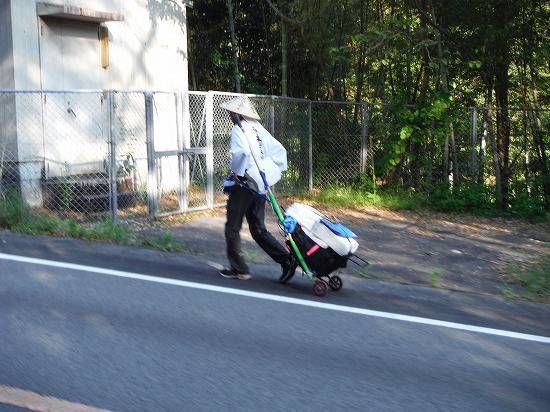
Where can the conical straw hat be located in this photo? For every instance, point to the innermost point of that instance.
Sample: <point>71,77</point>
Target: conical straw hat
<point>241,105</point>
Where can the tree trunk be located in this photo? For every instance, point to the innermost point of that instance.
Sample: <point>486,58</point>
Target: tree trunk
<point>234,48</point>
<point>493,142</point>
<point>538,138</point>
<point>500,51</point>
<point>284,60</point>
<point>417,147</point>
<point>482,148</point>
<point>450,139</point>
<point>190,59</point>
<point>360,60</point>
<point>503,132</point>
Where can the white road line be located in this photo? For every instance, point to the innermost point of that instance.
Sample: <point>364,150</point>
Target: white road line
<point>280,298</point>
<point>40,403</point>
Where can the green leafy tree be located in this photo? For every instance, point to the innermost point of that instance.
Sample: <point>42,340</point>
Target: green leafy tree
<point>424,53</point>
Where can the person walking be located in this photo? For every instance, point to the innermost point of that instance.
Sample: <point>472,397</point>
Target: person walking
<point>248,134</point>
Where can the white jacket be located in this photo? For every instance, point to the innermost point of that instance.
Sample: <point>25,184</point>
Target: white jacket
<point>270,153</point>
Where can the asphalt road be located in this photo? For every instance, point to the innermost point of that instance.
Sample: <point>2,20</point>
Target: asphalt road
<point>138,330</point>
<point>454,306</point>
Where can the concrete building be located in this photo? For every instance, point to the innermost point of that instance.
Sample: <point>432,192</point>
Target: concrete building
<point>93,44</point>
<point>53,50</point>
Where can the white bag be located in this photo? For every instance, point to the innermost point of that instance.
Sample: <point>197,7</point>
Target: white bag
<point>311,221</point>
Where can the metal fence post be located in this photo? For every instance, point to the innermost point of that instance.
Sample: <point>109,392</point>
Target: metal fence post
<point>179,136</point>
<point>186,145</point>
<point>473,157</point>
<point>271,115</point>
<point>113,189</point>
<point>209,150</point>
<point>152,198</point>
<point>364,140</point>
<point>310,144</point>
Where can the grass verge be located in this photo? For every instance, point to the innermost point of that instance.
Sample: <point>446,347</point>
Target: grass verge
<point>17,217</point>
<point>532,284</point>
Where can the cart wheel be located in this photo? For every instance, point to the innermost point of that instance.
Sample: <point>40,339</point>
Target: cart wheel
<point>320,287</point>
<point>335,283</point>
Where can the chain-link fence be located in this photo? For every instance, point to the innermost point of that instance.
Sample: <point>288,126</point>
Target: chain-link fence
<point>95,155</point>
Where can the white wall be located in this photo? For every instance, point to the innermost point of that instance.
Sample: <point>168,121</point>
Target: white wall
<point>147,54</point>
<point>148,50</point>
<point>25,44</point>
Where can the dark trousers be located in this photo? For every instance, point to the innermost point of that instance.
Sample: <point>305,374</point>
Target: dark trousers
<point>243,203</point>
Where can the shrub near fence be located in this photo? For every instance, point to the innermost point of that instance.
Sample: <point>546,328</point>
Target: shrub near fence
<point>126,155</point>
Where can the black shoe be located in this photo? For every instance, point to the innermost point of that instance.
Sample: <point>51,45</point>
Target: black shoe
<point>232,274</point>
<point>289,268</point>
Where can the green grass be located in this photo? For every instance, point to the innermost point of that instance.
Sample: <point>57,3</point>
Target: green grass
<point>17,217</point>
<point>346,197</point>
<point>532,284</point>
<point>435,275</point>
<point>165,242</point>
<point>476,200</point>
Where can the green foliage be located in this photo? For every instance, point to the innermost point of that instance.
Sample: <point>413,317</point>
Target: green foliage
<point>524,204</point>
<point>258,47</point>
<point>15,215</point>
<point>420,121</point>
<point>46,225</point>
<point>390,33</point>
<point>364,184</point>
<point>419,125</point>
<point>475,199</point>
<point>376,49</point>
<point>393,53</point>
<point>534,283</point>
<point>434,277</point>
<point>479,199</point>
<point>166,242</point>
<point>78,231</point>
<point>345,197</point>
<point>12,210</point>
<point>109,230</point>
<point>126,167</point>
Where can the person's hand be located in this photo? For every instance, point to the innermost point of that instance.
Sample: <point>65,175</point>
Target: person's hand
<point>236,178</point>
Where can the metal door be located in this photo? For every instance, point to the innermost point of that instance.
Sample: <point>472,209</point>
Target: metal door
<point>74,122</point>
